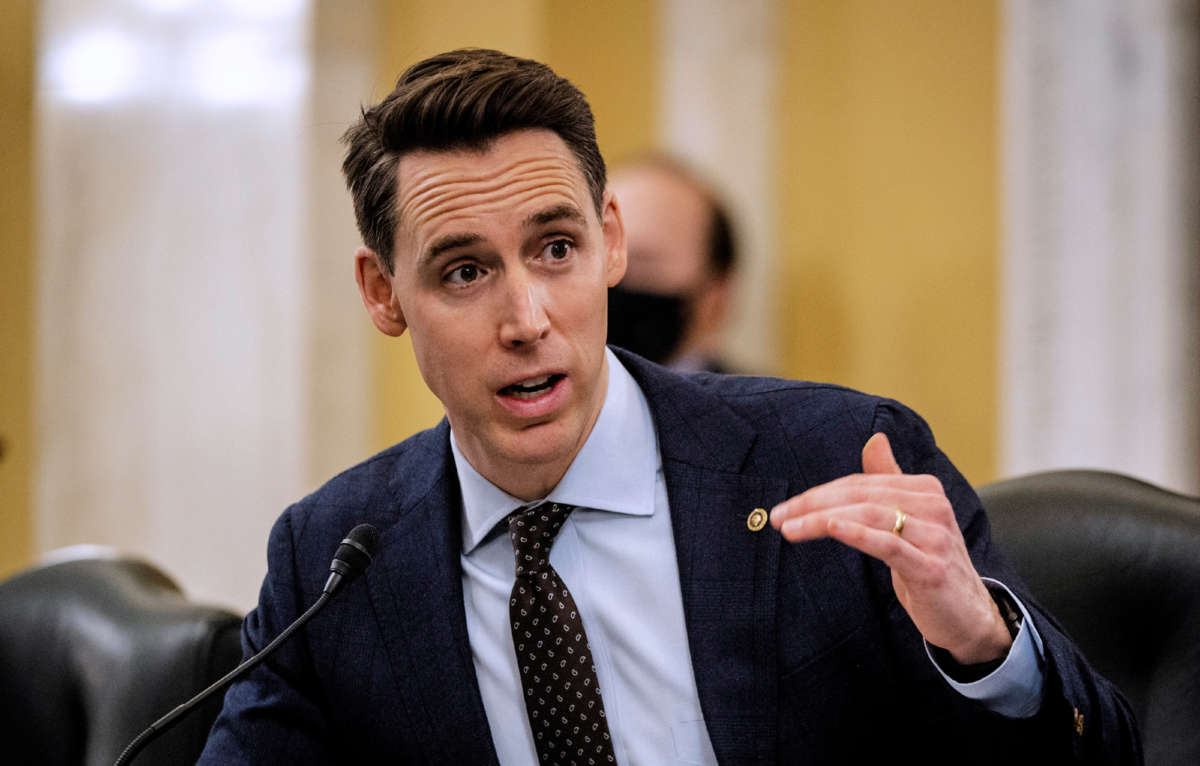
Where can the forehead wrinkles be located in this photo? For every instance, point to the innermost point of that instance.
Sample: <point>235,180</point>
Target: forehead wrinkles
<point>443,192</point>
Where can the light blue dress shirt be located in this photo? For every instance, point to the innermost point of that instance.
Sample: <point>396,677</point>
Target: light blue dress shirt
<point>616,554</point>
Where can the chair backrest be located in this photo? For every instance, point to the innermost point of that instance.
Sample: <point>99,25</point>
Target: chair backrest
<point>1117,561</point>
<point>92,651</point>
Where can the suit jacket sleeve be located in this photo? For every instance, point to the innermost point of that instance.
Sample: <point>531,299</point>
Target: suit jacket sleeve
<point>273,715</point>
<point>1083,718</point>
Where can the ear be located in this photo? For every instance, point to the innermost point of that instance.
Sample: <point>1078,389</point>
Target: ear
<point>614,238</point>
<point>375,287</point>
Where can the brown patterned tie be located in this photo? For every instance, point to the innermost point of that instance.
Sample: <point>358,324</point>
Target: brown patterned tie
<point>562,697</point>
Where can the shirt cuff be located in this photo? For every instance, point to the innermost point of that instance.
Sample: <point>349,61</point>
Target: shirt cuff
<point>1015,688</point>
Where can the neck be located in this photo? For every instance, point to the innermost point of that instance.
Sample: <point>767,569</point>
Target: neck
<point>528,486</point>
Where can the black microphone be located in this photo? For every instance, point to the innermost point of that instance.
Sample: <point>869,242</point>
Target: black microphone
<point>351,558</point>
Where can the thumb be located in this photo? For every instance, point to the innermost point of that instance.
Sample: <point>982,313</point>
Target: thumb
<point>877,455</point>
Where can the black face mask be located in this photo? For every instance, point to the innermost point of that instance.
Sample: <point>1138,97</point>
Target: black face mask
<point>648,324</point>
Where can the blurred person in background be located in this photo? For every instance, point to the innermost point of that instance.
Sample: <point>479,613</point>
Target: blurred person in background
<point>674,300</point>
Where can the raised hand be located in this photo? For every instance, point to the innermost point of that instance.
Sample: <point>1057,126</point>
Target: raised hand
<point>907,522</point>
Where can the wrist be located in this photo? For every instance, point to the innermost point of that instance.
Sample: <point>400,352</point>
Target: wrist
<point>1004,619</point>
<point>992,647</point>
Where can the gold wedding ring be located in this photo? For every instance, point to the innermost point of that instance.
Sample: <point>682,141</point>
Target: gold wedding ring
<point>898,527</point>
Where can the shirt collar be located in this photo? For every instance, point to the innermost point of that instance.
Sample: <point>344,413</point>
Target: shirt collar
<point>614,470</point>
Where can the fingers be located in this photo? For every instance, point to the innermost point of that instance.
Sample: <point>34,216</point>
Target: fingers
<point>883,518</point>
<point>860,510</point>
<point>869,529</point>
<point>913,493</point>
<point>918,554</point>
<point>897,551</point>
<point>877,455</point>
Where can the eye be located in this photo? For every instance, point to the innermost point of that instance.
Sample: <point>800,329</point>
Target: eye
<point>464,274</point>
<point>559,249</point>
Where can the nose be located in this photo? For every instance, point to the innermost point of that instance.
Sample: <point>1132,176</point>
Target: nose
<point>525,319</point>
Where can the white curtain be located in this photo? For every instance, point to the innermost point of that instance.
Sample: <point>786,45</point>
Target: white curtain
<point>1101,355</point>
<point>186,168</point>
<point>718,90</point>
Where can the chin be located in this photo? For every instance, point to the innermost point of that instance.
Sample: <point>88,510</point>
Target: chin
<point>539,445</point>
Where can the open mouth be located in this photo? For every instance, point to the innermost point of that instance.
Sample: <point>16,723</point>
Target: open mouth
<point>532,388</point>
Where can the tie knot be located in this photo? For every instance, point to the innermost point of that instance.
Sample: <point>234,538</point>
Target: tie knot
<point>532,532</point>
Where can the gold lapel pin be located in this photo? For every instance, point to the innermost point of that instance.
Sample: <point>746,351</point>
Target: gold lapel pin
<point>757,519</point>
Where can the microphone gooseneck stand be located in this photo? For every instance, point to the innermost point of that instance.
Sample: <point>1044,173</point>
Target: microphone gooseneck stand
<point>143,739</point>
<point>352,557</point>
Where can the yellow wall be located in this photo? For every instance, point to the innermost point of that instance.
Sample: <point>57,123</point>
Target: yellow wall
<point>607,49</point>
<point>887,208</point>
<point>16,282</point>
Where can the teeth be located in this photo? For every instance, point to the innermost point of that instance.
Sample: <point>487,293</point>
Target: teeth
<point>530,388</point>
<point>525,394</point>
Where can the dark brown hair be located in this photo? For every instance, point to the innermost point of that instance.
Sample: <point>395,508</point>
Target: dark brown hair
<point>463,99</point>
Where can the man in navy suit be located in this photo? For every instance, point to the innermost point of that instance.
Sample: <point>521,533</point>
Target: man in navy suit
<point>870,618</point>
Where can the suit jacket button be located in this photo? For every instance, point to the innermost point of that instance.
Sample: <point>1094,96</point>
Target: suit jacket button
<point>756,520</point>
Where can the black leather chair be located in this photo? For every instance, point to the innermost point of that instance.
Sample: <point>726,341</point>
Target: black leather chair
<point>1117,561</point>
<point>94,650</point>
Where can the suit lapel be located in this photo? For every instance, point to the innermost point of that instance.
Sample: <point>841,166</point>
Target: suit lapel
<point>727,572</point>
<point>416,592</point>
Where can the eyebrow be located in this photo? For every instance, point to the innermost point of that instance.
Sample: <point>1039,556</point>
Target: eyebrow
<point>556,213</point>
<point>450,242</point>
<point>540,218</point>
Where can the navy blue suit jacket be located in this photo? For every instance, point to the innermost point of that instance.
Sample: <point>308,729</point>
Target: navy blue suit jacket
<point>801,653</point>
